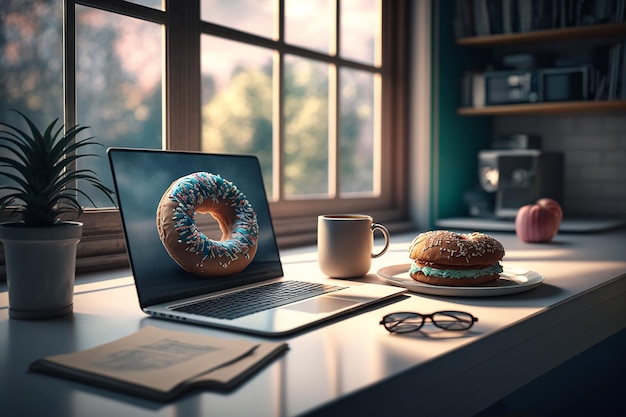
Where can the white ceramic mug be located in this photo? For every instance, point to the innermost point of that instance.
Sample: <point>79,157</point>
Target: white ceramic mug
<point>345,243</point>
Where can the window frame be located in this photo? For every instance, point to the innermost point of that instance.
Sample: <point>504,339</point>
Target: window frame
<point>102,245</point>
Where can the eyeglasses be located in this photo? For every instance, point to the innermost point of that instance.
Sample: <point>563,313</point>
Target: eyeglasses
<point>409,322</point>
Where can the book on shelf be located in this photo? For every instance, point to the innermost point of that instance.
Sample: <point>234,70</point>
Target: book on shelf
<point>473,89</point>
<point>491,17</point>
<point>161,364</point>
<point>623,72</point>
<point>614,75</point>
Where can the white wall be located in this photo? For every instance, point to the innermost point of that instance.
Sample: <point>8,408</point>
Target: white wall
<point>419,116</point>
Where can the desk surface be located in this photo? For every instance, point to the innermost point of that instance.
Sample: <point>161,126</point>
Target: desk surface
<point>350,366</point>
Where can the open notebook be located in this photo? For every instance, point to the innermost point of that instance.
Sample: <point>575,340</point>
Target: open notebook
<point>167,291</point>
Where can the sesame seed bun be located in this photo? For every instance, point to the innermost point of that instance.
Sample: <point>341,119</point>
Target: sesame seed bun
<point>442,257</point>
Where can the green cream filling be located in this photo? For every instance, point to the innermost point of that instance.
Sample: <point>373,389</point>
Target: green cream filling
<point>456,273</point>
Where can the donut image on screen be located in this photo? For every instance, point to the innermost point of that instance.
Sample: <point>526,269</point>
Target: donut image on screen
<point>192,250</point>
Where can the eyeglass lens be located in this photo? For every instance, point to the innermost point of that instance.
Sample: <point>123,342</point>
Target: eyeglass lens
<point>410,322</point>
<point>403,322</point>
<point>453,320</point>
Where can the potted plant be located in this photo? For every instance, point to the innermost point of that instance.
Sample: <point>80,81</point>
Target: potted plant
<point>39,179</point>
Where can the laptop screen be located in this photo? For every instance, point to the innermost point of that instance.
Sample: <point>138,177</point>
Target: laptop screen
<point>141,177</point>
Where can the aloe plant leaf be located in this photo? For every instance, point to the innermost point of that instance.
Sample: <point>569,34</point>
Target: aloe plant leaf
<point>21,147</point>
<point>6,199</point>
<point>19,134</point>
<point>42,166</point>
<point>19,180</point>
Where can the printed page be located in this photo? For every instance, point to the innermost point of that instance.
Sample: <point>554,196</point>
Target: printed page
<point>151,358</point>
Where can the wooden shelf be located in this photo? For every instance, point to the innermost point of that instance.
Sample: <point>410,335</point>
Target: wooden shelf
<point>607,30</point>
<point>546,108</point>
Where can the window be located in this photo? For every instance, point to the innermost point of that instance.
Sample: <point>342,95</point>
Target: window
<point>316,89</point>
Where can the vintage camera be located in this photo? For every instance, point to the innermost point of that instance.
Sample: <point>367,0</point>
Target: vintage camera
<point>538,85</point>
<point>511,87</point>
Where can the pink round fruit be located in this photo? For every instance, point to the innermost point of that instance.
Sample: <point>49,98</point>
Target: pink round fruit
<point>552,205</point>
<point>537,223</point>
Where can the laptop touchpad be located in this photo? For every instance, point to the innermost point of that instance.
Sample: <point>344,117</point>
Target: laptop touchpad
<point>321,305</point>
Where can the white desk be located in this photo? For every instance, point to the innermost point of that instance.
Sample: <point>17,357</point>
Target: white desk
<point>352,366</point>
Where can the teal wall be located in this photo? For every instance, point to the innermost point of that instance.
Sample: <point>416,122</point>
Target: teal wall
<point>456,139</point>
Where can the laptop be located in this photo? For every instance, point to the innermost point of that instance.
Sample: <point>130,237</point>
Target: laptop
<point>166,291</point>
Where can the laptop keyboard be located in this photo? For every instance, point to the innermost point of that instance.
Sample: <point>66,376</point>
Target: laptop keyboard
<point>252,300</point>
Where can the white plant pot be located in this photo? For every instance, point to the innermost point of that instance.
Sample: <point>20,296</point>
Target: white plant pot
<point>40,268</point>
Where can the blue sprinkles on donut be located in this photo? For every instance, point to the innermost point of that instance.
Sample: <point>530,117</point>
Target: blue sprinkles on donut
<point>191,191</point>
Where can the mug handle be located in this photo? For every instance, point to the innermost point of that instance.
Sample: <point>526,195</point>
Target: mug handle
<point>385,232</point>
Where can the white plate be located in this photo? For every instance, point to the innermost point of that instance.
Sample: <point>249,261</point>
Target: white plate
<point>511,281</point>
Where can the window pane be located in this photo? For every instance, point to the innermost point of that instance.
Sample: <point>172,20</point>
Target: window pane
<point>31,61</point>
<point>357,137</point>
<point>306,127</point>
<point>155,4</point>
<point>237,101</point>
<point>310,24</point>
<point>118,81</point>
<point>253,16</point>
<point>360,30</point>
